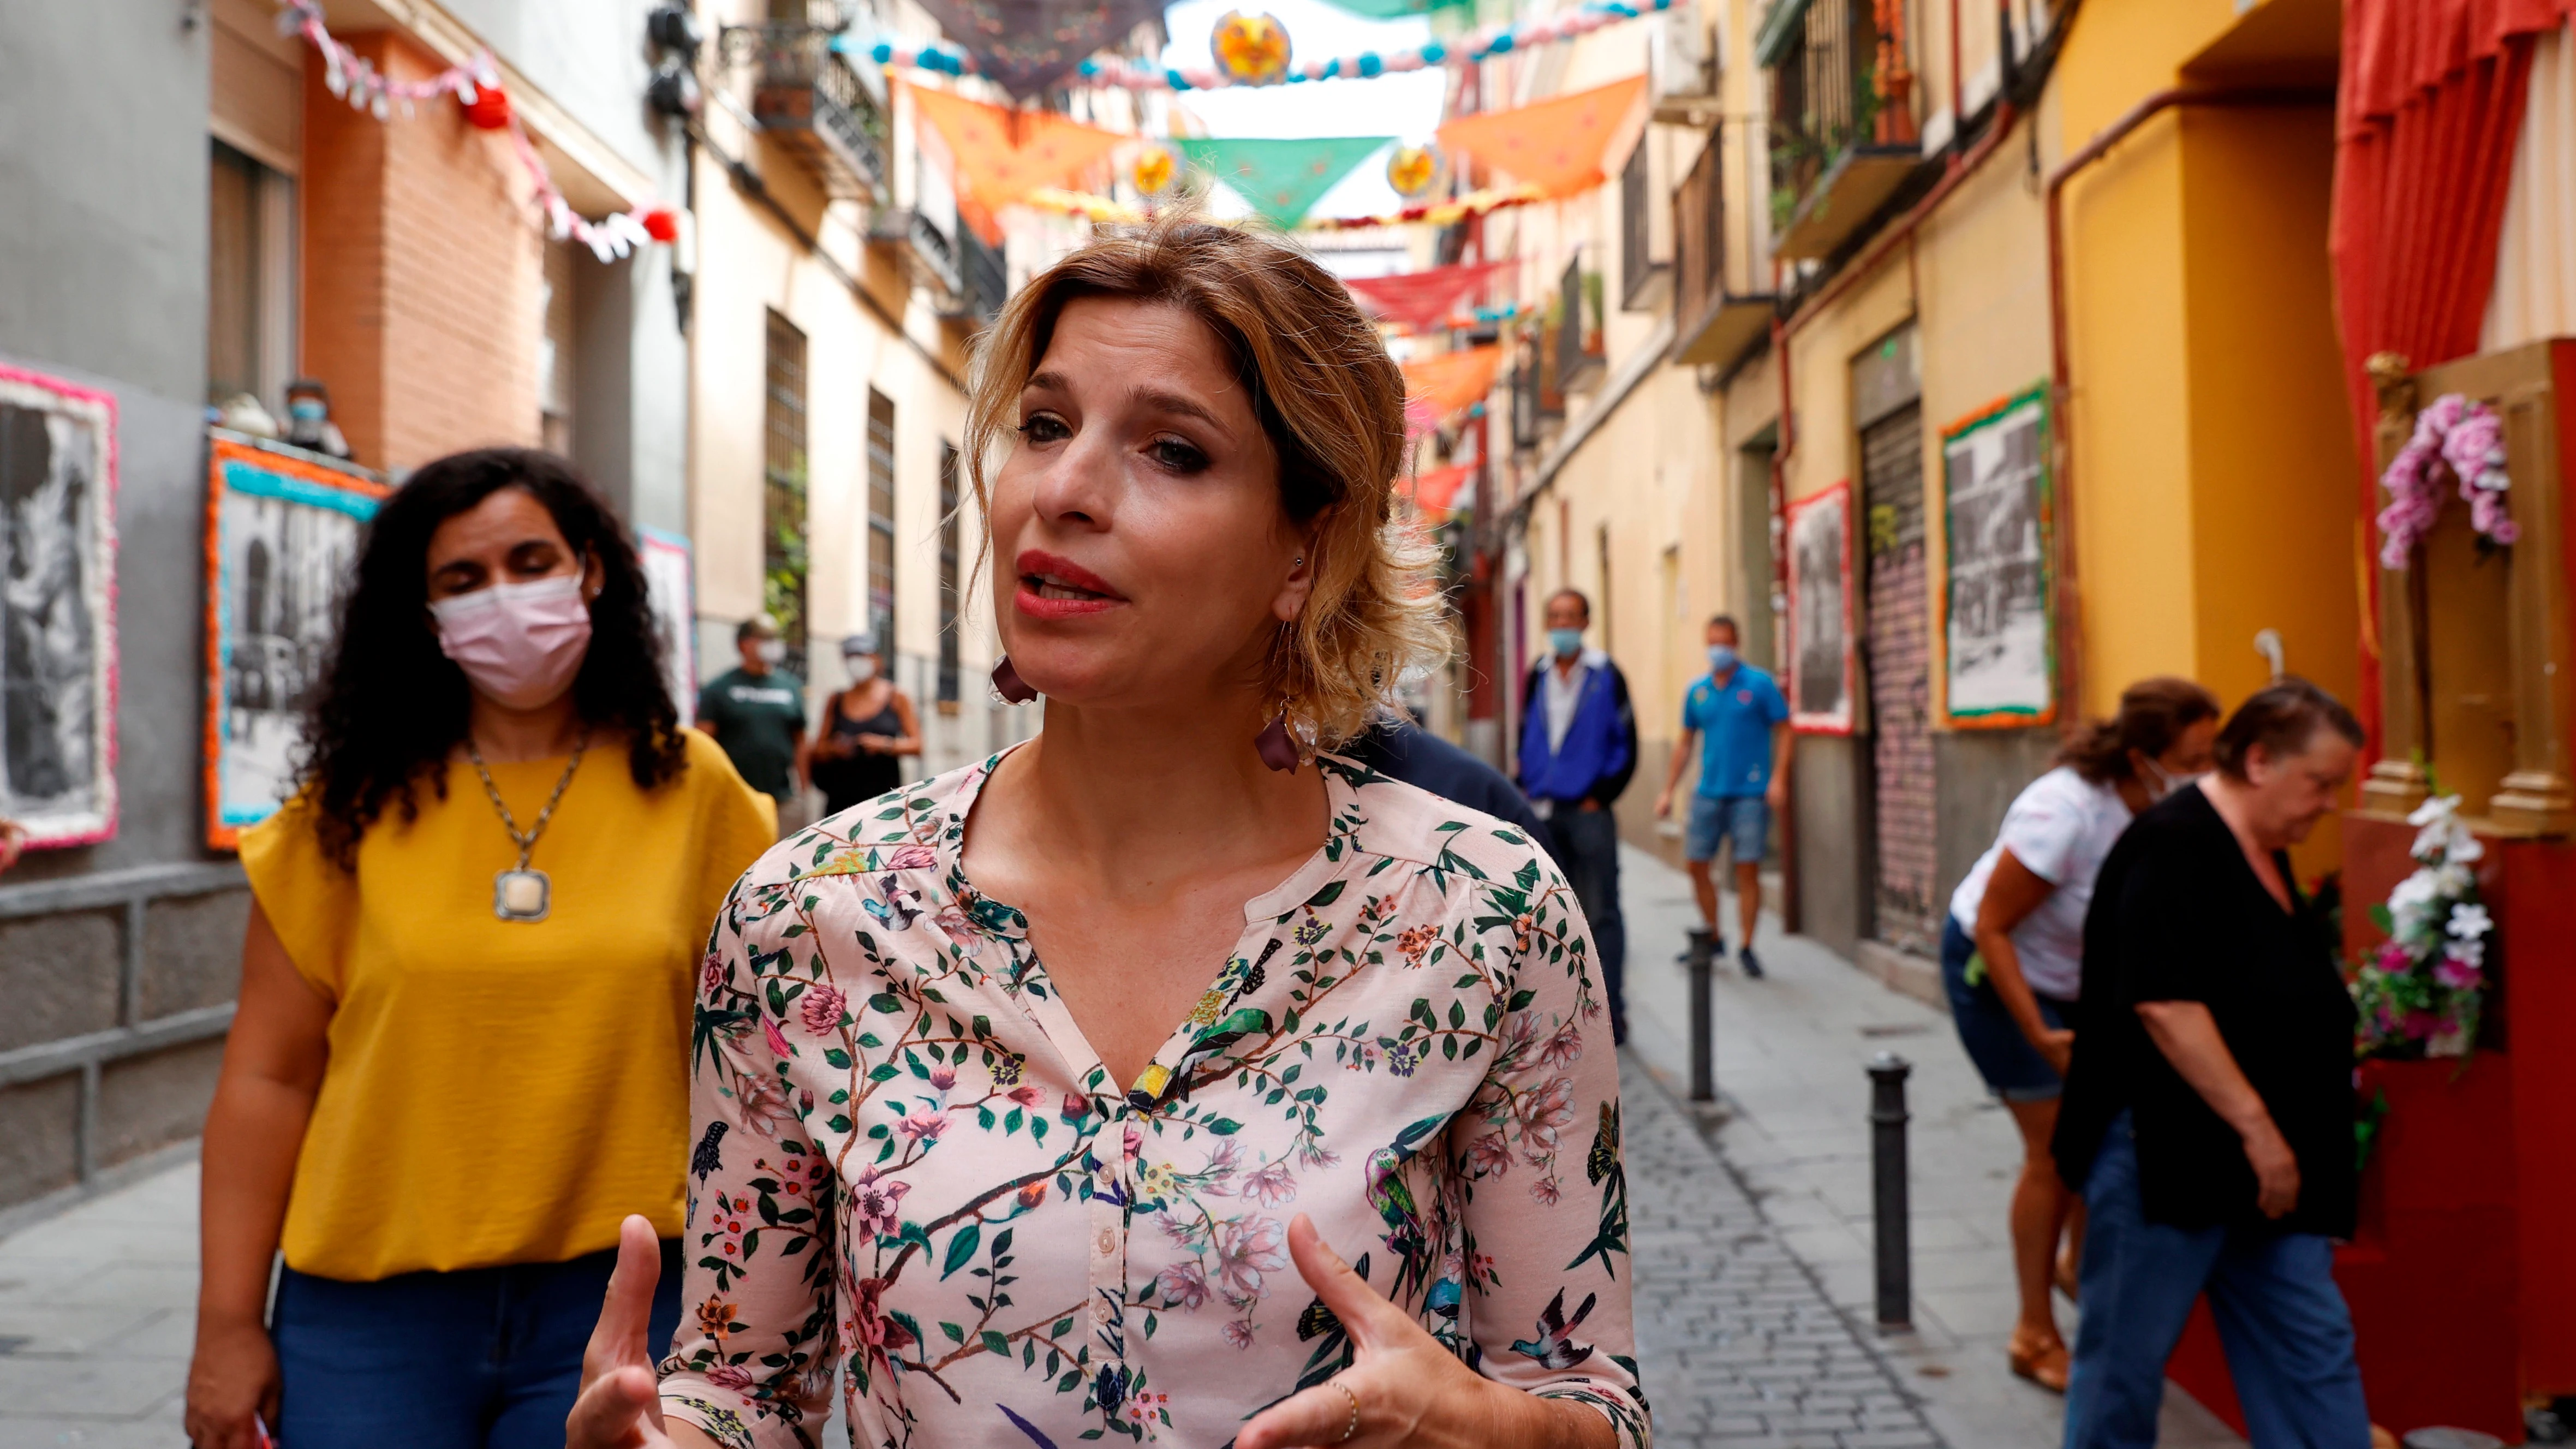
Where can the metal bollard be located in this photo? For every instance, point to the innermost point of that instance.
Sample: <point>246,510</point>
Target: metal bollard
<point>1887,1119</point>
<point>1701,963</point>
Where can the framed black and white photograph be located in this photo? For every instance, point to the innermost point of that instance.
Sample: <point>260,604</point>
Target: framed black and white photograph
<point>1998,658</point>
<point>57,609</point>
<point>1821,656</point>
<point>282,538</point>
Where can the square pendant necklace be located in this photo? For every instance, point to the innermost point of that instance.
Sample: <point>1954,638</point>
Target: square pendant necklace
<point>521,894</point>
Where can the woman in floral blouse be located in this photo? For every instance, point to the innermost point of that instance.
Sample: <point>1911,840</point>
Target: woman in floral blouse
<point>1121,1085</point>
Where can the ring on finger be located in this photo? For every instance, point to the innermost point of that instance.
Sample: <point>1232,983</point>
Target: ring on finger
<point>1353,1427</point>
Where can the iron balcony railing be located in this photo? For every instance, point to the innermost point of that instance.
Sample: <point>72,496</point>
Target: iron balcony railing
<point>1722,300</point>
<point>1842,122</point>
<point>983,282</point>
<point>815,104</point>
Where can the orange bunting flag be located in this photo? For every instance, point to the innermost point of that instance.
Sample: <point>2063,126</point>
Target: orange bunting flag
<point>1435,387</point>
<point>997,156</point>
<point>1433,491</point>
<point>1556,145</point>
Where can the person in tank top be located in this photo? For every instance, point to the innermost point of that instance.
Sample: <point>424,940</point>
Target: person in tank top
<point>866,731</point>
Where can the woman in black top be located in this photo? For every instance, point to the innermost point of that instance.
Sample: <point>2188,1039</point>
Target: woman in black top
<point>2208,1111</point>
<point>867,729</point>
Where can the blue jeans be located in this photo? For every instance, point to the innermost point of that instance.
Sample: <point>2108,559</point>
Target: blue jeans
<point>487,1358</point>
<point>2281,1320</point>
<point>1743,821</point>
<point>1587,850</point>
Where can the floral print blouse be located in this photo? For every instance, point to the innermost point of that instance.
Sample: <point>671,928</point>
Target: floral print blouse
<point>911,1174</point>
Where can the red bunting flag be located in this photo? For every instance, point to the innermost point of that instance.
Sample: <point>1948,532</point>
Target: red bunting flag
<point>1433,491</point>
<point>1419,301</point>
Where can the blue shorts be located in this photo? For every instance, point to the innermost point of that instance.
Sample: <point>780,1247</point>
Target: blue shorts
<point>2013,1068</point>
<point>1742,819</point>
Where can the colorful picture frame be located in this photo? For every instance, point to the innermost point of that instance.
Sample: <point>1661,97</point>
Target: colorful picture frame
<point>670,589</point>
<point>283,530</point>
<point>58,647</point>
<point>1997,630</point>
<point>1823,675</point>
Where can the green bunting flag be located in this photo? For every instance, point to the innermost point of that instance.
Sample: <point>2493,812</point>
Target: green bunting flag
<point>1281,178</point>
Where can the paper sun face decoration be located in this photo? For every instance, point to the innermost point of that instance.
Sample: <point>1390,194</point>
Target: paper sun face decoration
<point>1412,170</point>
<point>1153,170</point>
<point>1250,49</point>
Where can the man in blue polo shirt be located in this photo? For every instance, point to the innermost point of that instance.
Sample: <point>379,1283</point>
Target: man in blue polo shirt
<point>1578,750</point>
<point>1737,714</point>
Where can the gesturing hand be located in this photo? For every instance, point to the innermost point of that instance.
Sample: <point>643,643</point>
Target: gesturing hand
<point>1403,1388</point>
<point>621,1401</point>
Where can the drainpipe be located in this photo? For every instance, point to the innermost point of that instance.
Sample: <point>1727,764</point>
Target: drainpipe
<point>2061,367</point>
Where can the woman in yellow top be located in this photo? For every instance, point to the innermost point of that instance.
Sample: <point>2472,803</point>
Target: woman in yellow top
<point>461,1050</point>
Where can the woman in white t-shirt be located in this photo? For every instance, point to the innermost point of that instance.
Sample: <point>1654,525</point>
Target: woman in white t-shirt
<point>2012,954</point>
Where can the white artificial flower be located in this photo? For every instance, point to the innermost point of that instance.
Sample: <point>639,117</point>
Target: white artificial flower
<point>2469,921</point>
<point>2433,820</point>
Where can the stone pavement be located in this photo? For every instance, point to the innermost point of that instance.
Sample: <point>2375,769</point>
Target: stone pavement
<point>1754,1287</point>
<point>1793,1127</point>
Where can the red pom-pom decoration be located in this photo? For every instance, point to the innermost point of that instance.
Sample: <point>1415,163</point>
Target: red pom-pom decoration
<point>489,110</point>
<point>662,224</point>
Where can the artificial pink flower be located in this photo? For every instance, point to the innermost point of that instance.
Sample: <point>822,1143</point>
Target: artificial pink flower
<point>1028,1094</point>
<point>730,1376</point>
<point>2457,974</point>
<point>1238,1332</point>
<point>1544,1191</point>
<point>912,857</point>
<point>1563,1049</point>
<point>922,1124</point>
<point>943,1076</point>
<point>1490,1155</point>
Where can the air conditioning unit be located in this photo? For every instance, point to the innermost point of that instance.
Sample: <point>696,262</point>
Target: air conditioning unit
<point>1681,63</point>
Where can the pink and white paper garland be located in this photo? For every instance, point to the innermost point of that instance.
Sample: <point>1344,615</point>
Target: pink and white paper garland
<point>354,78</point>
<point>2469,437</point>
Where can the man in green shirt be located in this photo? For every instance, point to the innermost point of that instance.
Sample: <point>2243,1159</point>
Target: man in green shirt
<point>757,712</point>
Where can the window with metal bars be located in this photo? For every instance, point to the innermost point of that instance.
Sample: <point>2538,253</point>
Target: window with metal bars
<point>881,522</point>
<point>783,556</point>
<point>951,602</point>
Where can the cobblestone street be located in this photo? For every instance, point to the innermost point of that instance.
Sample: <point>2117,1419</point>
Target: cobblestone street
<point>1750,1220</point>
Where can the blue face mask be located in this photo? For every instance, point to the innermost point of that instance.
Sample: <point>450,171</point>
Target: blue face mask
<point>1721,658</point>
<point>1565,642</point>
<point>308,410</point>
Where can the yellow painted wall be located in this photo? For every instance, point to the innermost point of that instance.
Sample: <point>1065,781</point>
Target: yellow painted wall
<point>2272,461</point>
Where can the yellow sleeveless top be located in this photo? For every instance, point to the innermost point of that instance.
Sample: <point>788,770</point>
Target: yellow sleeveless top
<point>501,1091</point>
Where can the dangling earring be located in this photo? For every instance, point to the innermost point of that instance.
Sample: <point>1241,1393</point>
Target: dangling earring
<point>1276,749</point>
<point>1009,685</point>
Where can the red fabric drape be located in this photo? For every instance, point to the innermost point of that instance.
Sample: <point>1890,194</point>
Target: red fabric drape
<point>2427,115</point>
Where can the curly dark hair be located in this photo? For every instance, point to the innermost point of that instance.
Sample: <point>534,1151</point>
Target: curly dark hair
<point>2153,714</point>
<point>391,708</point>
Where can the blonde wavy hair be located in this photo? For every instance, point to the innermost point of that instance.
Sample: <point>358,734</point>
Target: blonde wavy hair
<point>1331,402</point>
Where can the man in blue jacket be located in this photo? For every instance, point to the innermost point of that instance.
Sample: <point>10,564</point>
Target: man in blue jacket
<point>1578,748</point>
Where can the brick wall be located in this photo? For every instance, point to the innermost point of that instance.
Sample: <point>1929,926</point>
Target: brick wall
<point>423,272</point>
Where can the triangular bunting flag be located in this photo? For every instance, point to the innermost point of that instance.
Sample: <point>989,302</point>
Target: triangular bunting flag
<point>1027,45</point>
<point>1556,144</point>
<point>1435,387</point>
<point>1433,491</point>
<point>998,156</point>
<point>1419,301</point>
<point>1280,178</point>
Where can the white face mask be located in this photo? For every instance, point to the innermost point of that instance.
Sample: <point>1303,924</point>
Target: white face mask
<point>2158,781</point>
<point>863,667</point>
<point>771,652</point>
